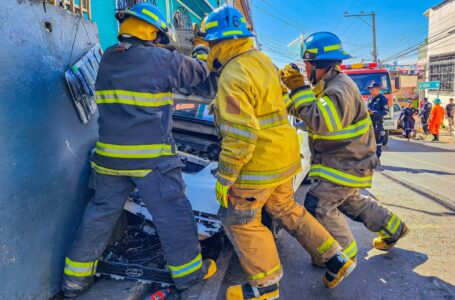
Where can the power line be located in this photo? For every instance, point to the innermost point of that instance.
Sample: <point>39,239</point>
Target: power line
<point>285,15</point>
<point>278,18</point>
<point>412,36</point>
<point>417,46</point>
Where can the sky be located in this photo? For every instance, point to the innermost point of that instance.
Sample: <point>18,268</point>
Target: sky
<point>399,25</point>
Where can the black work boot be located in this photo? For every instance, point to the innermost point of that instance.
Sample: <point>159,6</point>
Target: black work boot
<point>248,292</point>
<point>338,268</point>
<point>73,286</point>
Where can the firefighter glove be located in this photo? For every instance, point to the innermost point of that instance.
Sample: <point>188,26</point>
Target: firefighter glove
<point>222,194</point>
<point>200,52</point>
<point>292,77</point>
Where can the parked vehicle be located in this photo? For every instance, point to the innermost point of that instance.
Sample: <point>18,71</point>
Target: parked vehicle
<point>396,114</point>
<point>365,74</point>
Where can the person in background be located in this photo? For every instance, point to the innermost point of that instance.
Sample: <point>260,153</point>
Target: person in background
<point>450,112</point>
<point>425,114</point>
<point>378,107</point>
<point>407,119</point>
<point>436,119</point>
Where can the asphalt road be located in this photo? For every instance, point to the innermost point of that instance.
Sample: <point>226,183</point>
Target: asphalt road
<point>418,183</point>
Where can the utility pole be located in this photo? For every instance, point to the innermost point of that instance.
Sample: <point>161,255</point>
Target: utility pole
<point>372,25</point>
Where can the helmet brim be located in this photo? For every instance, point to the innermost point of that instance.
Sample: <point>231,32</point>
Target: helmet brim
<point>217,37</point>
<point>329,56</point>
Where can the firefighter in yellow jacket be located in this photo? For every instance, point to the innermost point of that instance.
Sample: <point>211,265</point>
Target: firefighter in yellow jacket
<point>342,144</point>
<point>259,158</point>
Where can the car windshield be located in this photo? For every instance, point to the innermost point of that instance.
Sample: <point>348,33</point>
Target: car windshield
<point>193,111</point>
<point>364,80</point>
<point>396,107</point>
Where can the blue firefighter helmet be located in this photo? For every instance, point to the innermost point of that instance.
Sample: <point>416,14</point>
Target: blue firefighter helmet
<point>151,14</point>
<point>225,23</point>
<point>437,101</point>
<point>323,46</point>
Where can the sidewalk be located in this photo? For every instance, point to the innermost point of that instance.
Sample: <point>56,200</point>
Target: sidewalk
<point>444,137</point>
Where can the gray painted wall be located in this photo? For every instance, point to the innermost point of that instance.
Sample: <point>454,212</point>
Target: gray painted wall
<point>43,146</point>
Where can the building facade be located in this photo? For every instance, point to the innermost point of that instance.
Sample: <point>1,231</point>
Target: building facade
<point>440,49</point>
<point>182,14</point>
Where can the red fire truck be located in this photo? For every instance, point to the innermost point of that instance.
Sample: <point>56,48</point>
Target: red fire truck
<point>365,74</point>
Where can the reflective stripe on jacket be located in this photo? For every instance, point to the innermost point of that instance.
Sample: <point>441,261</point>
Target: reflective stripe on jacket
<point>133,93</point>
<point>341,135</point>
<point>260,147</point>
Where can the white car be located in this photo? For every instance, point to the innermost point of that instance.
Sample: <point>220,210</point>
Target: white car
<point>198,144</point>
<point>396,113</point>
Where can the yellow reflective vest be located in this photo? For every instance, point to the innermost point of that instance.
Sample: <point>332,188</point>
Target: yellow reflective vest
<point>259,147</point>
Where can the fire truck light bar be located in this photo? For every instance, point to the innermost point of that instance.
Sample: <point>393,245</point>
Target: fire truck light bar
<point>359,66</point>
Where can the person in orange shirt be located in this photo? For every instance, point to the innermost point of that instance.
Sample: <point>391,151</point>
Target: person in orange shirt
<point>436,119</point>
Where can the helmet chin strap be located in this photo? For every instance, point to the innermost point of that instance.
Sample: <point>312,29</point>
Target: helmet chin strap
<point>312,78</point>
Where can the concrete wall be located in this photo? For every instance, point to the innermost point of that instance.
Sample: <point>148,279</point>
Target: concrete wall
<point>441,20</point>
<point>44,148</point>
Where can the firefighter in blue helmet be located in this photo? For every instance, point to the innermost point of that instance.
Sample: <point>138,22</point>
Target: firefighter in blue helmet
<point>425,114</point>
<point>136,149</point>
<point>378,107</point>
<point>407,119</point>
<point>342,144</point>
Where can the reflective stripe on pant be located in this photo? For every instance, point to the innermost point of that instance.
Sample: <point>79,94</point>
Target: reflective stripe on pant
<point>254,243</point>
<point>163,193</point>
<point>378,130</point>
<point>326,200</point>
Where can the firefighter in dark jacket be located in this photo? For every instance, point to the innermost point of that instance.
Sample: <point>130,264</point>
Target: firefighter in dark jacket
<point>378,107</point>
<point>136,149</point>
<point>425,115</point>
<point>407,119</point>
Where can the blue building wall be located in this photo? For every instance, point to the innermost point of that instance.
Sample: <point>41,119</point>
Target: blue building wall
<point>44,166</point>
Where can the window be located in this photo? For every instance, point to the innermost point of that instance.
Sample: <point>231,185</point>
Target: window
<point>364,80</point>
<point>182,19</point>
<point>442,68</point>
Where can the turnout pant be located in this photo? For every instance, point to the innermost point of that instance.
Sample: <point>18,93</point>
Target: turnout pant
<point>254,243</point>
<point>328,202</point>
<point>451,123</point>
<point>424,121</point>
<point>379,134</point>
<point>434,128</point>
<point>162,191</point>
<point>408,127</point>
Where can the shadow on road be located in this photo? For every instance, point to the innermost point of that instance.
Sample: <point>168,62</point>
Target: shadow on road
<point>405,146</point>
<point>414,171</point>
<point>430,195</point>
<point>393,273</point>
<point>438,214</point>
